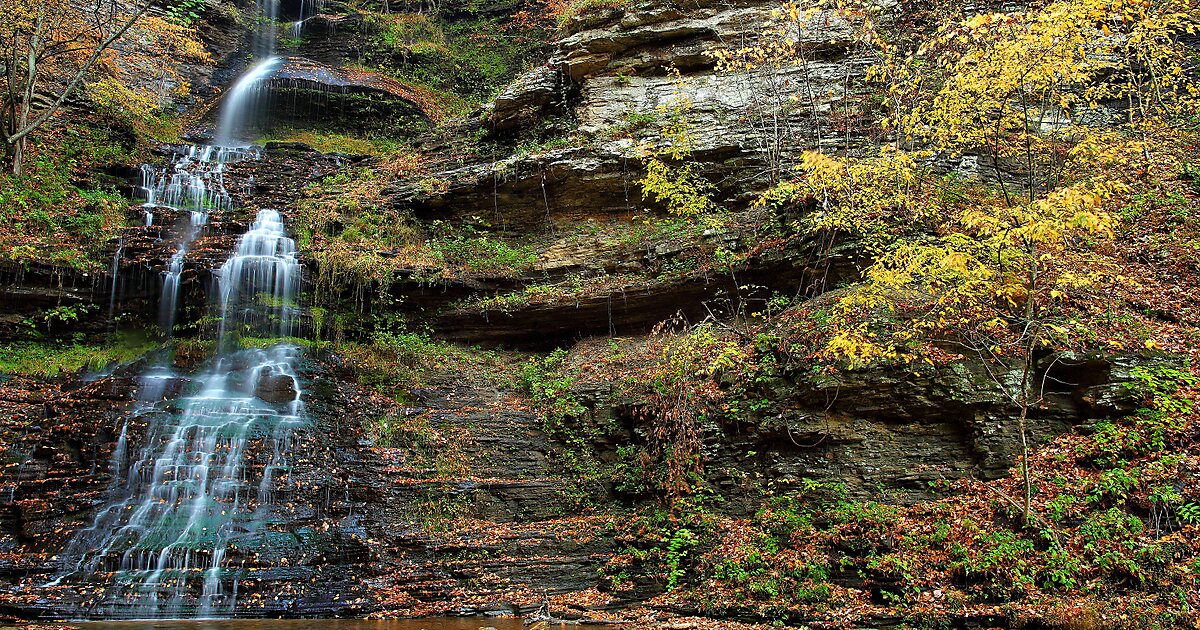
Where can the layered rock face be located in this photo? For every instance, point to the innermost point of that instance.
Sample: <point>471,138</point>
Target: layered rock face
<point>464,508</point>
<point>617,79</point>
<point>614,79</point>
<point>461,516</point>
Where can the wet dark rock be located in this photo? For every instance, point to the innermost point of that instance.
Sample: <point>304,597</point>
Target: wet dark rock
<point>628,310</point>
<point>27,291</point>
<point>276,388</point>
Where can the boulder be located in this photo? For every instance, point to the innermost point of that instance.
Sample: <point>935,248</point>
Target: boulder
<point>275,387</point>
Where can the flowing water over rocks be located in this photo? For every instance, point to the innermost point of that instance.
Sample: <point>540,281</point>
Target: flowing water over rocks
<point>201,486</point>
<point>245,103</point>
<point>194,183</point>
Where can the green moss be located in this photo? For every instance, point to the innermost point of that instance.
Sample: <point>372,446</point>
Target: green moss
<point>60,211</point>
<point>267,342</point>
<point>327,141</point>
<point>481,254</point>
<point>578,8</point>
<point>467,58</point>
<point>51,358</point>
<point>392,362</point>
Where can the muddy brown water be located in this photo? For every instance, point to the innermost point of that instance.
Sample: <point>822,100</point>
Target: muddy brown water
<point>436,623</point>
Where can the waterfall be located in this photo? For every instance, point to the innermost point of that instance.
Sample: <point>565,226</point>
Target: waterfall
<point>199,492</point>
<point>306,11</point>
<point>168,304</point>
<point>245,101</point>
<point>264,38</point>
<point>193,182</point>
<point>114,272</point>
<point>192,496</point>
<point>247,98</point>
<point>263,269</point>
<point>196,491</point>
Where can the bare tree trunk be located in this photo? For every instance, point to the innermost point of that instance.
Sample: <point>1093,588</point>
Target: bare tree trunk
<point>1032,337</point>
<point>16,157</point>
<point>1026,381</point>
<point>28,91</point>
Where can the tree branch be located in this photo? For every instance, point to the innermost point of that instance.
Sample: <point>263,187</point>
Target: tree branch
<point>78,78</point>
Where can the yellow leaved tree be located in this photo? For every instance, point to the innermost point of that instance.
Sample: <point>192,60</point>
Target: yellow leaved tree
<point>992,286</point>
<point>1150,49</point>
<point>1055,102</point>
<point>51,51</point>
<point>794,100</point>
<point>1020,88</point>
<point>1033,93</point>
<point>671,179</point>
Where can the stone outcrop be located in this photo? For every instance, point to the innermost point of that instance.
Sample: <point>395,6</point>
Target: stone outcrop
<point>889,433</point>
<point>628,308</point>
<point>276,388</point>
<point>300,72</point>
<point>531,99</point>
<point>612,77</point>
<point>616,78</point>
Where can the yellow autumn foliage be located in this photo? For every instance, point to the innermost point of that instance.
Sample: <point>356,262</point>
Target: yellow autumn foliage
<point>124,57</point>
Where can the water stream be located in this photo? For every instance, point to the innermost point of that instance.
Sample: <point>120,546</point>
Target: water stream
<point>201,485</point>
<point>264,37</point>
<point>244,103</point>
<point>204,457</point>
<point>114,272</point>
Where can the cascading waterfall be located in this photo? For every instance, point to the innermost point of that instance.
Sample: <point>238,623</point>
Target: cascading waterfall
<point>244,103</point>
<point>308,8</point>
<point>255,269</point>
<point>247,99</point>
<point>194,182</point>
<point>168,305</point>
<point>191,498</point>
<point>198,493</point>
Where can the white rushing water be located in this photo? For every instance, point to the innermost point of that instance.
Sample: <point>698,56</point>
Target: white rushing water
<point>308,8</point>
<point>201,487</point>
<point>264,269</point>
<point>202,459</point>
<point>244,103</point>
<point>193,182</point>
<point>114,272</point>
